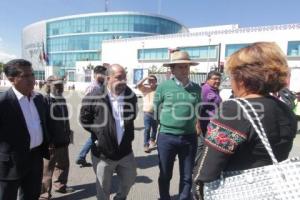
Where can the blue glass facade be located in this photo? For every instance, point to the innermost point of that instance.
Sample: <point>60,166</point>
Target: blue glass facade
<point>231,48</point>
<point>153,54</point>
<point>202,52</point>
<point>39,75</point>
<point>80,38</point>
<point>195,52</point>
<point>293,49</point>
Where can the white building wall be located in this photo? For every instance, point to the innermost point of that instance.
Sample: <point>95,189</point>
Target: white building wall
<point>124,51</point>
<point>214,28</point>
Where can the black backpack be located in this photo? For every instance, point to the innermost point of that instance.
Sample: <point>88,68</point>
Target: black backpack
<point>288,97</point>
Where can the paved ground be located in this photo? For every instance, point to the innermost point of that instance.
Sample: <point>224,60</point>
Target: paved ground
<point>83,179</point>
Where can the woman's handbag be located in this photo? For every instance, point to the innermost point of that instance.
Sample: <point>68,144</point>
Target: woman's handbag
<point>281,180</point>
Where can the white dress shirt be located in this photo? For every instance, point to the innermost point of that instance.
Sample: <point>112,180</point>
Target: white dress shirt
<point>117,103</point>
<point>178,82</point>
<point>32,118</point>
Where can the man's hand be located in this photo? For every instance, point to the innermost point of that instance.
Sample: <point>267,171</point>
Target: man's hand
<point>140,85</point>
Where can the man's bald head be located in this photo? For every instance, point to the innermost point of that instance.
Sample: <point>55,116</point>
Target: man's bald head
<point>112,69</point>
<point>116,79</point>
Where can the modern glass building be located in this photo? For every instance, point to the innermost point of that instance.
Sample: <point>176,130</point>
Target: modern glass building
<point>65,40</point>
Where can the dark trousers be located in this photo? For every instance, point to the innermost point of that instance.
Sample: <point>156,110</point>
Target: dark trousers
<point>29,186</point>
<point>150,127</point>
<point>168,147</point>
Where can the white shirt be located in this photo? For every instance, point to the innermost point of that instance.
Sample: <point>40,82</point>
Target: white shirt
<point>117,103</point>
<point>32,118</point>
<point>178,82</point>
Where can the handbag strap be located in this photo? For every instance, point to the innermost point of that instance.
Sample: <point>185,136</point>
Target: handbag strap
<point>259,129</point>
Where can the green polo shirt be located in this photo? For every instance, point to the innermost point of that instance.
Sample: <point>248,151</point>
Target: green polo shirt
<point>177,107</point>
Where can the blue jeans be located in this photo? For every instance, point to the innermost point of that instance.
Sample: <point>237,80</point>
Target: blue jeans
<point>85,149</point>
<point>168,147</point>
<point>150,126</point>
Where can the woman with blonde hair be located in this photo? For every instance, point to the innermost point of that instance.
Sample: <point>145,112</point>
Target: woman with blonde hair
<point>232,143</point>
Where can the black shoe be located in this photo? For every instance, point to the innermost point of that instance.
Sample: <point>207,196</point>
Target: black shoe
<point>146,149</point>
<point>83,163</point>
<point>65,190</point>
<point>116,198</point>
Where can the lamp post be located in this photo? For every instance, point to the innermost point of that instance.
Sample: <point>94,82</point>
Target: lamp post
<point>106,5</point>
<point>64,66</point>
<point>64,70</point>
<point>208,54</point>
<point>159,7</point>
<point>143,54</point>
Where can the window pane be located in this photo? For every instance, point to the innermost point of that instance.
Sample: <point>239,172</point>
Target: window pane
<point>152,54</point>
<point>293,49</point>
<point>231,48</point>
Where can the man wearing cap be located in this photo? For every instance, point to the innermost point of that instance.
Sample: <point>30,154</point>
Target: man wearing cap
<point>93,88</point>
<point>60,132</point>
<point>176,105</point>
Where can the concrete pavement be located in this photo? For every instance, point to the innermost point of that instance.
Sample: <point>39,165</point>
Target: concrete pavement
<point>145,188</point>
<point>83,179</point>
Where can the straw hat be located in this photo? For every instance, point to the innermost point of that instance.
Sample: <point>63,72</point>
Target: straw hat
<point>54,80</point>
<point>180,57</point>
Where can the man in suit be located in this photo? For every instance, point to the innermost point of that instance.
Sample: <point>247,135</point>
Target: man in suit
<point>23,134</point>
<point>109,116</point>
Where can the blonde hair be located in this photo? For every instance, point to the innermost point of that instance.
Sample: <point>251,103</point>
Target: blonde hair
<point>261,66</point>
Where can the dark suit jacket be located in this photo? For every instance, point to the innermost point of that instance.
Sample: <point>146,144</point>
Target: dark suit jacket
<point>58,121</point>
<point>97,118</point>
<point>14,136</point>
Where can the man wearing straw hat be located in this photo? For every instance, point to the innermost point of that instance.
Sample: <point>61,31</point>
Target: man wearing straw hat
<point>176,106</point>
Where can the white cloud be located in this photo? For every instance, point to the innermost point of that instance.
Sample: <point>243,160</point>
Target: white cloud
<point>4,57</point>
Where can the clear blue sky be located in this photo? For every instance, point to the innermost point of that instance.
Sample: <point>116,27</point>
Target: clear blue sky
<point>16,14</point>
